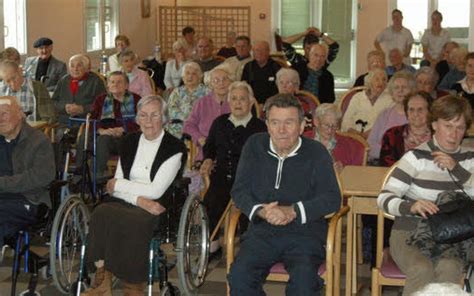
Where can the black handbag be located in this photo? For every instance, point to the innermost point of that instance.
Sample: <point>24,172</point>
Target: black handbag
<point>454,221</point>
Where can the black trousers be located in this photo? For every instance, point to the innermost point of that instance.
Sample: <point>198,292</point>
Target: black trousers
<point>217,197</point>
<point>263,246</point>
<point>15,214</point>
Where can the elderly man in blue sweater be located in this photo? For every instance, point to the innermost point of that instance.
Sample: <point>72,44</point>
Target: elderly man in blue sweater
<point>285,185</point>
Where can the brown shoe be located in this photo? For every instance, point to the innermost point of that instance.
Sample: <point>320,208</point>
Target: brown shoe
<point>130,289</point>
<point>102,285</point>
<point>98,277</point>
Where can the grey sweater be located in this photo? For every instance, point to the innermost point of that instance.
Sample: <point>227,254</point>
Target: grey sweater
<point>33,167</point>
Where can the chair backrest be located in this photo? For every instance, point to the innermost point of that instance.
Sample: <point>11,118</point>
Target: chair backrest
<point>101,76</point>
<point>381,215</point>
<point>309,97</point>
<point>364,146</point>
<point>219,58</point>
<point>281,61</point>
<point>152,84</point>
<point>347,97</point>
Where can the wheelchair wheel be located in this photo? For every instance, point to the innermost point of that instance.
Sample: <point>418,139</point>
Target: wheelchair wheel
<point>192,246</point>
<point>69,231</point>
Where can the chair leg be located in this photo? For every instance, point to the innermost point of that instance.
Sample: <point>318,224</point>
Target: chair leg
<point>376,289</point>
<point>360,252</point>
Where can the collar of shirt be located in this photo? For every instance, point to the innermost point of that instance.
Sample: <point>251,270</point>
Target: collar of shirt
<point>243,122</point>
<point>292,153</point>
<point>242,58</point>
<point>440,148</point>
<point>465,86</point>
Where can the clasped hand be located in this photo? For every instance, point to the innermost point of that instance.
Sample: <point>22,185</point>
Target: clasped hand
<point>277,215</point>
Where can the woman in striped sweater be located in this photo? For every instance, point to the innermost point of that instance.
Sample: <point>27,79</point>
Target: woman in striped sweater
<point>441,164</point>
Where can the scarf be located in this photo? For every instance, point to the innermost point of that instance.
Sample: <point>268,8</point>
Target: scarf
<point>127,107</point>
<point>75,83</point>
<point>331,144</point>
<point>412,140</point>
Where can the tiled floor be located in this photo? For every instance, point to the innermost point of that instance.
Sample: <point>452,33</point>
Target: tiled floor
<point>215,281</point>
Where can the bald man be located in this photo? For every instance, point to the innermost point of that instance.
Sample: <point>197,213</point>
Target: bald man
<point>32,95</point>
<point>314,75</point>
<point>261,72</point>
<point>205,59</point>
<point>26,169</point>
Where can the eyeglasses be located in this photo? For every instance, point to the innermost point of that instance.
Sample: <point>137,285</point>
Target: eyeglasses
<point>146,117</point>
<point>221,80</point>
<point>330,126</point>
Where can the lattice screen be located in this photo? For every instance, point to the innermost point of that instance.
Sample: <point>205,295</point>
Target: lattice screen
<point>211,21</point>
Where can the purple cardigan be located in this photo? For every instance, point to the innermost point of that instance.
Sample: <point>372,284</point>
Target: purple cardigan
<point>199,122</point>
<point>141,83</point>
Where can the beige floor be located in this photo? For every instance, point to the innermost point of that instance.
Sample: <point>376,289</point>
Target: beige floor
<point>215,281</point>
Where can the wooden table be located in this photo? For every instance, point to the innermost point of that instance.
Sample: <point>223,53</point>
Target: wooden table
<point>362,185</point>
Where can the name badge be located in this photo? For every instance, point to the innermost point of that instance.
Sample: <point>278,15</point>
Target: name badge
<point>271,78</point>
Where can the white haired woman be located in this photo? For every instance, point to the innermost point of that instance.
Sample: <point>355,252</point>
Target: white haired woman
<point>223,147</point>
<point>76,91</point>
<point>344,150</point>
<point>208,108</point>
<point>426,80</point>
<point>122,227</point>
<point>182,99</point>
<point>174,66</point>
<point>400,85</point>
<point>288,82</point>
<point>366,105</point>
<point>139,81</point>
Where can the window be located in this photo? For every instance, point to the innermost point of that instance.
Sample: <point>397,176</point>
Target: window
<point>417,18</point>
<point>295,16</point>
<point>14,24</point>
<point>333,17</point>
<point>101,24</point>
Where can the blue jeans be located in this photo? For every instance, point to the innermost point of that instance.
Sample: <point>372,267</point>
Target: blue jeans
<point>15,214</point>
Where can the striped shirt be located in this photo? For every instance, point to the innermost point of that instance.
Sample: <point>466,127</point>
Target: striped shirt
<point>418,177</point>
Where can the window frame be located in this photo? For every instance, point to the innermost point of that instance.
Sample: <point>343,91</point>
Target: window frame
<point>23,49</point>
<point>115,4</point>
<point>316,20</point>
<point>432,6</point>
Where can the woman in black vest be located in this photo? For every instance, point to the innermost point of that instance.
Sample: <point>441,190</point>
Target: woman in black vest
<point>121,230</point>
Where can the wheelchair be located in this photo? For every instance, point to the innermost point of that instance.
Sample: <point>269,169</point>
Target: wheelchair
<point>61,229</point>
<point>185,225</point>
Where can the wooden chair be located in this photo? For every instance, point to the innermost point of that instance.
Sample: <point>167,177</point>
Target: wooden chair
<point>330,271</point>
<point>347,97</point>
<point>192,152</point>
<point>101,76</point>
<point>314,101</point>
<point>386,271</point>
<point>281,61</point>
<point>364,150</point>
<point>361,140</point>
<point>220,58</point>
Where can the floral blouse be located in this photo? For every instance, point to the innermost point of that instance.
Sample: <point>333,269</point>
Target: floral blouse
<point>180,104</point>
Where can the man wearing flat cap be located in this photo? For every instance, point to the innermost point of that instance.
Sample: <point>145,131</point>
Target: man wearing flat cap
<point>44,67</point>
